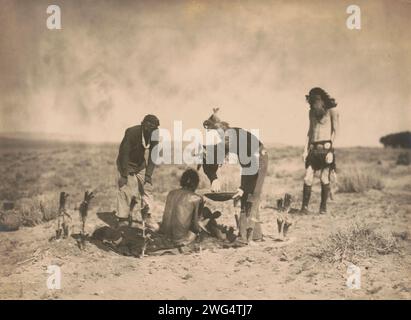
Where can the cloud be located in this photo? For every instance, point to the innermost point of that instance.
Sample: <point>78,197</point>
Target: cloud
<point>115,61</point>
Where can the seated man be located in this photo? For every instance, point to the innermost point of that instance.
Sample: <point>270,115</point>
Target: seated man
<point>182,211</point>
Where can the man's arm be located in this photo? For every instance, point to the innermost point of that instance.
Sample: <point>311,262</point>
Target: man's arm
<point>150,163</point>
<point>211,171</point>
<point>198,209</point>
<point>308,138</point>
<point>123,154</point>
<point>335,124</point>
<point>210,168</point>
<point>307,143</point>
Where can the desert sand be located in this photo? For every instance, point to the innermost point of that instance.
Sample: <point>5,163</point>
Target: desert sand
<point>373,198</point>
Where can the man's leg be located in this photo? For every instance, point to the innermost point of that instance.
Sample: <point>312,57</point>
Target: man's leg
<point>325,189</point>
<point>253,216</point>
<point>124,195</point>
<point>146,201</point>
<point>253,220</point>
<point>308,181</point>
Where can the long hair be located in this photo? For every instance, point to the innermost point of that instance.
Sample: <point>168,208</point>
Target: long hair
<point>329,102</point>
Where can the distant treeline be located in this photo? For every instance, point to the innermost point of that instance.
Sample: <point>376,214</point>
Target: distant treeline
<point>397,140</point>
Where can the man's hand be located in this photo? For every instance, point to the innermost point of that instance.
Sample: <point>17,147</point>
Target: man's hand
<point>215,186</point>
<point>148,186</point>
<point>122,181</point>
<point>239,194</point>
<point>147,179</point>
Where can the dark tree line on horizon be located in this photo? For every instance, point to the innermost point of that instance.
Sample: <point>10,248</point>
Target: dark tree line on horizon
<point>397,140</point>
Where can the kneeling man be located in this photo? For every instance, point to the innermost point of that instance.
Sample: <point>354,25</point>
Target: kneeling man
<point>182,212</point>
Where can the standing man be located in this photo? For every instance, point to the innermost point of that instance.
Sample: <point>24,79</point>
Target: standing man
<point>135,166</point>
<point>253,171</point>
<point>319,149</point>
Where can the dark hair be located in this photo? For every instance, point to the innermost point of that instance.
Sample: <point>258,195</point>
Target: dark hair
<point>328,101</point>
<point>190,179</point>
<point>151,120</point>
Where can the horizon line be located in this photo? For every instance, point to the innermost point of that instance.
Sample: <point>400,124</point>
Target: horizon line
<point>69,138</point>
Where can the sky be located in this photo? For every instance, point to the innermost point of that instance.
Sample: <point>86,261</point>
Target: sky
<point>115,61</point>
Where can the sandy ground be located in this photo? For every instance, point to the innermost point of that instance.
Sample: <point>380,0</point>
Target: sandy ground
<point>267,270</point>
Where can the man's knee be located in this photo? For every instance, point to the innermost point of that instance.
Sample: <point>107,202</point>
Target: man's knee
<point>309,176</point>
<point>122,204</point>
<point>325,178</point>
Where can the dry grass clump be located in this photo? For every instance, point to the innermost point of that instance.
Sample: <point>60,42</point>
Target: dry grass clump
<point>355,180</point>
<point>404,159</point>
<point>38,209</point>
<point>30,212</point>
<point>356,242</point>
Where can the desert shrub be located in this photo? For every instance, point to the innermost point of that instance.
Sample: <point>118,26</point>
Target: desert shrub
<point>355,180</point>
<point>404,159</point>
<point>37,209</point>
<point>357,241</point>
<point>29,211</point>
<point>48,204</point>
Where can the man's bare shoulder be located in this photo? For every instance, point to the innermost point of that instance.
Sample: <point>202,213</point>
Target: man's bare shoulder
<point>174,192</point>
<point>192,196</point>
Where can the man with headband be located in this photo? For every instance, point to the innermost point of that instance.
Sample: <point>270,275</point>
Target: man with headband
<point>319,148</point>
<point>253,159</point>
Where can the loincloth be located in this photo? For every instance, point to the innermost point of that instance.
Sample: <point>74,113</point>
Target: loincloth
<point>317,155</point>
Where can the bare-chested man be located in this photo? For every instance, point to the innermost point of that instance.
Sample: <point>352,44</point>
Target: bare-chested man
<point>319,149</point>
<point>183,210</point>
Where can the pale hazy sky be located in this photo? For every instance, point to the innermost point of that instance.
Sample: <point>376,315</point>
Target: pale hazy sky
<point>115,61</point>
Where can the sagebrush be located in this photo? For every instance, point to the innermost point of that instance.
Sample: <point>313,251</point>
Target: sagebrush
<point>356,242</point>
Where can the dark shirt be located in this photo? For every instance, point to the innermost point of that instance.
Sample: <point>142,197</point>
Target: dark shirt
<point>252,147</point>
<point>131,154</point>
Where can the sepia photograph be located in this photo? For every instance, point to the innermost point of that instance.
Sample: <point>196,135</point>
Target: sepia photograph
<point>205,150</point>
